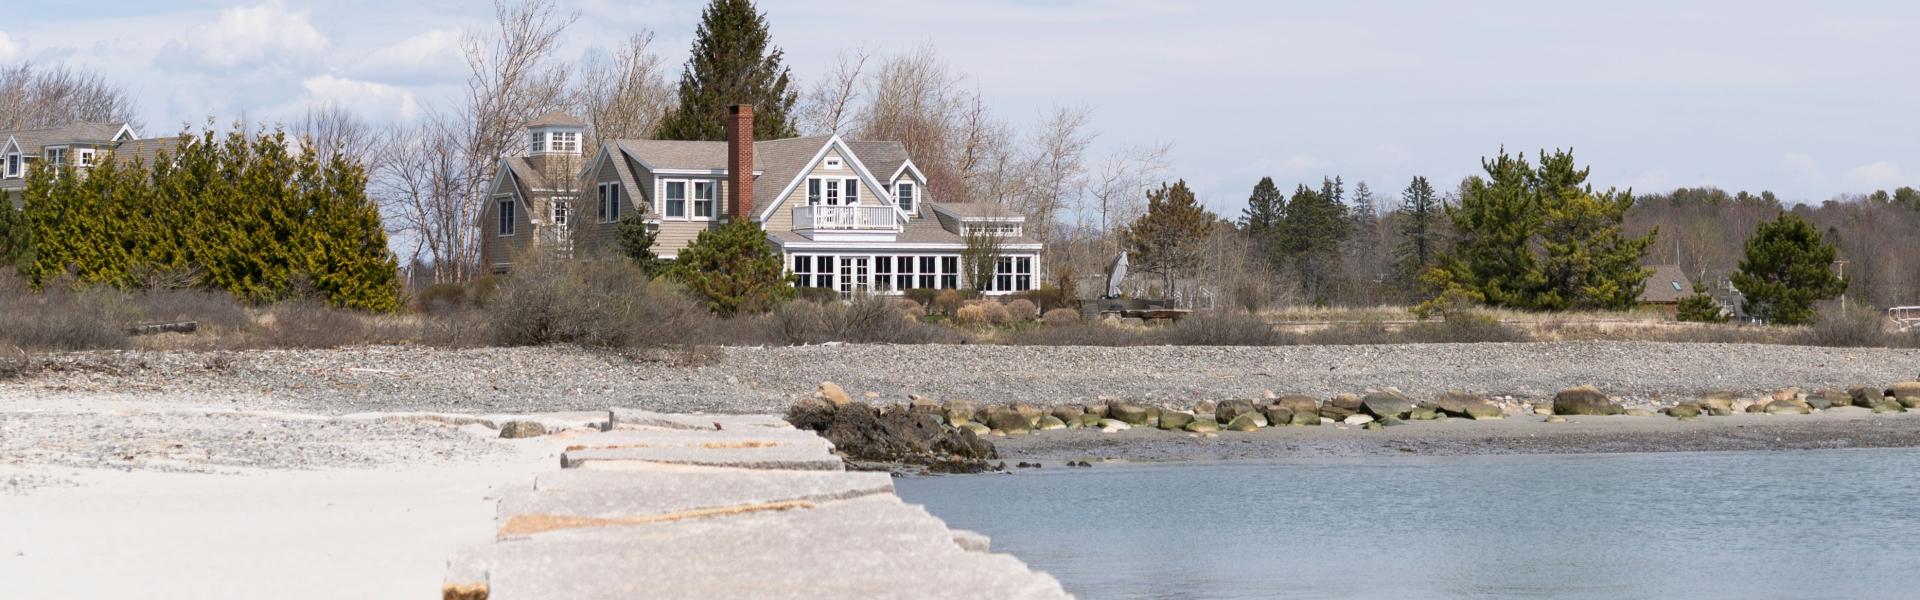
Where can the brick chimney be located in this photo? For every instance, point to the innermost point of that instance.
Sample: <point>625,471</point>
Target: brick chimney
<point>740,161</point>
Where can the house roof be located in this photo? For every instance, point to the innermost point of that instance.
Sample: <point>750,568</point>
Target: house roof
<point>883,158</point>
<point>778,161</point>
<point>976,210</point>
<point>32,140</point>
<point>526,178</point>
<point>1667,285</point>
<point>146,151</point>
<point>557,119</point>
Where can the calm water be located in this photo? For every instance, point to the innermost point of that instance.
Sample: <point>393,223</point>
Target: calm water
<point>1801,525</point>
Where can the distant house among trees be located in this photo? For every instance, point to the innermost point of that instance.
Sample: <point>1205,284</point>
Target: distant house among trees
<point>84,145</point>
<point>1665,288</point>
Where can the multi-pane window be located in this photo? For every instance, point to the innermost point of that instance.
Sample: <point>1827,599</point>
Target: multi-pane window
<point>950,272</point>
<point>56,157</point>
<point>1022,274</point>
<point>906,271</point>
<point>1003,274</point>
<point>883,273</point>
<point>676,200</point>
<point>506,216</point>
<point>703,199</point>
<point>802,270</point>
<point>13,165</point>
<point>928,271</point>
<point>904,193</point>
<point>832,191</point>
<point>813,192</point>
<point>610,202</point>
<point>566,141</point>
<point>539,142</point>
<point>84,158</point>
<point>560,213</point>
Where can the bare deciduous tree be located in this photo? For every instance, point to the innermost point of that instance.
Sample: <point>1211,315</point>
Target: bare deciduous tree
<point>34,97</point>
<point>330,130</point>
<point>827,108</point>
<point>624,97</point>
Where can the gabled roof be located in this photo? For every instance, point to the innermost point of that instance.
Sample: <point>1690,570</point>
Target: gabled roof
<point>885,158</point>
<point>32,140</point>
<point>557,119</point>
<point>1668,284</point>
<point>146,151</point>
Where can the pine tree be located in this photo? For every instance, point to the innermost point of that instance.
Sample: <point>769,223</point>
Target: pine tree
<point>734,269</point>
<point>1420,214</point>
<point>636,242</point>
<point>1168,239</point>
<point>1316,223</point>
<point>13,233</point>
<point>733,62</point>
<point>1700,307</point>
<point>1495,223</point>
<point>1261,220</point>
<point>1787,268</point>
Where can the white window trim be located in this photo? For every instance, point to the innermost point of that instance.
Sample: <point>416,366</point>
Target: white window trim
<point>912,185</point>
<point>840,190</point>
<point>611,204</point>
<point>84,158</point>
<point>513,224</point>
<point>713,184</point>
<point>713,201</point>
<point>833,163</point>
<point>16,163</point>
<point>563,142</point>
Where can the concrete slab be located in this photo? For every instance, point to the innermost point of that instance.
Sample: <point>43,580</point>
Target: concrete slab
<point>634,417</point>
<point>868,547</point>
<point>762,448</point>
<point>688,437</point>
<point>575,498</point>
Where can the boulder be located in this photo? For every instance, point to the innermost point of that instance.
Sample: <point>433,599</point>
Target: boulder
<point>1010,421</point>
<point>1639,412</point>
<point>1786,394</point>
<point>1305,419</point>
<point>920,404</point>
<point>1390,421</point>
<point>1068,413</point>
<point>1584,400</point>
<point>1127,412</point>
<point>1909,402</point>
<point>1350,402</point>
<point>1203,427</point>
<point>1865,396</point>
<point>1098,409</point>
<point>522,429</point>
<point>1229,409</point>
<point>1758,407</point>
<point>1203,406</point>
<point>864,433</point>
<point>1173,419</point>
<point>1277,415</point>
<point>1788,407</point>
<point>1050,423</point>
<point>1454,404</point>
<point>1357,419</point>
<point>1484,410</point>
<point>1028,410</point>
<point>1718,404</point>
<point>1245,422</point>
<point>976,428</point>
<point>1829,398</point>
<point>1888,405</point>
<point>1296,403</point>
<point>832,392</point>
<point>1904,390</point>
<point>1684,410</point>
<point>1424,412</point>
<point>1090,420</point>
<point>1389,403</point>
<point>1112,425</point>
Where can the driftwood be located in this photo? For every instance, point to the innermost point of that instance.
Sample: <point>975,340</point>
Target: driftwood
<point>153,328</point>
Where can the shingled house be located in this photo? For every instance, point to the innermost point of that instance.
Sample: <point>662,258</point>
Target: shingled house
<point>82,144</point>
<point>850,216</point>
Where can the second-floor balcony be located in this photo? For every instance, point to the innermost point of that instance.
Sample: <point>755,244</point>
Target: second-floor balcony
<point>845,218</point>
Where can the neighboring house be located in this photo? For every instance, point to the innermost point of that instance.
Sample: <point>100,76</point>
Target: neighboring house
<point>1665,288</point>
<point>848,216</point>
<point>82,144</point>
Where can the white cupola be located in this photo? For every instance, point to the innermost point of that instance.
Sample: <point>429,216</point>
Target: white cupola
<point>556,134</point>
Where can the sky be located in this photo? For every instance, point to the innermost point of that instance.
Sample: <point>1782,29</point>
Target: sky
<point>1807,99</point>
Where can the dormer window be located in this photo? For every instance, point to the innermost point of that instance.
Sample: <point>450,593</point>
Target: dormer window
<point>904,193</point>
<point>539,143</point>
<point>566,142</point>
<point>13,165</point>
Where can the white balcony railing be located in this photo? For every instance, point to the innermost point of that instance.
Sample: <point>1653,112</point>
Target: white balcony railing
<point>867,218</point>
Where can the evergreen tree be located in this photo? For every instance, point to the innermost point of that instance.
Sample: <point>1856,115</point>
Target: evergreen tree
<point>1168,239</point>
<point>1316,223</point>
<point>1787,267</point>
<point>1420,214</point>
<point>13,233</point>
<point>1700,307</point>
<point>733,62</point>
<point>1261,220</point>
<point>1541,239</point>
<point>636,242</point>
<point>734,269</point>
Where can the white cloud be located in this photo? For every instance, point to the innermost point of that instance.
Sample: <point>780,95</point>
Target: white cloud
<point>425,57</point>
<point>8,49</point>
<point>374,101</point>
<point>247,37</point>
<point>1881,174</point>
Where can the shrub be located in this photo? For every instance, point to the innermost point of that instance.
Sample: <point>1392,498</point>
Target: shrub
<point>310,324</point>
<point>1050,297</point>
<point>1075,333</point>
<point>972,314</point>
<point>1700,307</point>
<point>1022,310</point>
<point>864,319</point>
<point>1464,328</point>
<point>1222,329</point>
<point>1860,328</point>
<point>208,308</point>
<point>597,303</point>
<point>734,270</point>
<point>441,297</point>
<point>997,313</point>
<point>948,303</point>
<point>64,316</point>
<point>816,294</point>
<point>1060,317</point>
<point>924,296</point>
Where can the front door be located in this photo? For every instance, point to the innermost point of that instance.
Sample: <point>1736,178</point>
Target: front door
<point>853,276</point>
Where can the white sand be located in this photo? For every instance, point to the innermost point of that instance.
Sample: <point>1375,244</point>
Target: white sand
<point>375,533</point>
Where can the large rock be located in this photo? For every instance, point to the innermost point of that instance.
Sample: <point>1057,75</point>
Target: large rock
<point>1684,410</point>
<point>1305,419</point>
<point>1584,400</point>
<point>1068,413</point>
<point>1904,390</point>
<point>1296,403</point>
<point>832,392</point>
<point>1865,396</point>
<point>522,429</point>
<point>1203,427</point>
<point>1828,398</point>
<point>1340,407</point>
<point>1788,407</point>
<point>1010,421</point>
<point>1388,403</point>
<point>960,411</point>
<point>1028,410</point>
<point>1244,422</point>
<point>1473,406</point>
<point>1888,405</point>
<point>1050,423</point>
<point>1718,404</point>
<point>1127,412</point>
<point>1357,419</point>
<point>1112,425</point>
<point>1174,419</point>
<point>1098,409</point>
<point>864,433</point>
<point>1277,415</point>
<point>1229,409</point>
<point>1204,406</point>
<point>1424,412</point>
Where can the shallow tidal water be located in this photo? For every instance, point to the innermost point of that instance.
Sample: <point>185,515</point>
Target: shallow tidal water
<point>1809,524</point>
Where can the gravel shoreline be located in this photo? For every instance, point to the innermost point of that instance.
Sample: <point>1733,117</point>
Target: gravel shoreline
<point>767,379</point>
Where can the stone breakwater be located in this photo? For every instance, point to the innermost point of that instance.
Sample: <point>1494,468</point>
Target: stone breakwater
<point>723,506</point>
<point>1373,409</point>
